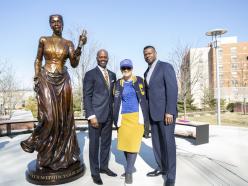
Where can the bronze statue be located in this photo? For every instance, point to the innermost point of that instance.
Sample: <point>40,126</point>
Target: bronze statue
<point>54,138</point>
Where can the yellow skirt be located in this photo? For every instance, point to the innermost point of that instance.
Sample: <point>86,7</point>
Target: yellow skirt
<point>130,133</point>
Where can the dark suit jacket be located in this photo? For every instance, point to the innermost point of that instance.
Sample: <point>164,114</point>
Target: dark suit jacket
<point>162,91</point>
<point>98,99</point>
<point>139,87</point>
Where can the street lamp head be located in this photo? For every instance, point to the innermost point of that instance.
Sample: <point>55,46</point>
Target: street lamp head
<point>216,32</point>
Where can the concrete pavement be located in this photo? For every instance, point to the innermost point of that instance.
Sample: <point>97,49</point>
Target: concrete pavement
<point>223,161</point>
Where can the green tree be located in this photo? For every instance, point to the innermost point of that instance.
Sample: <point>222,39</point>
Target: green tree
<point>208,100</point>
<point>31,104</point>
<point>230,107</point>
<point>222,104</point>
<point>189,102</point>
<point>77,103</point>
<point>180,107</point>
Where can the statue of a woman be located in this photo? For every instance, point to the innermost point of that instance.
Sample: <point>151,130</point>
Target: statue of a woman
<point>54,138</point>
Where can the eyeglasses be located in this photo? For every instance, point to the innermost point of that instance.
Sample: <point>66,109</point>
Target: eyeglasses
<point>126,68</point>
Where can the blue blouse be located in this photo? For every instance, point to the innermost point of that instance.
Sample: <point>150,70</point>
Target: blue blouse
<point>129,98</point>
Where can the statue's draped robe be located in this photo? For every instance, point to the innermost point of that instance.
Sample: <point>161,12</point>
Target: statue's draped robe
<point>55,138</point>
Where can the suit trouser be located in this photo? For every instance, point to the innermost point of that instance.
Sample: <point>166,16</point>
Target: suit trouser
<point>100,140</point>
<point>164,147</point>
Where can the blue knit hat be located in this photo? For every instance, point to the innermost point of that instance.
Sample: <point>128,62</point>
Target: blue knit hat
<point>126,63</point>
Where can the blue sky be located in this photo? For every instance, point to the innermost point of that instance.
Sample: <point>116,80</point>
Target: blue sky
<point>123,27</point>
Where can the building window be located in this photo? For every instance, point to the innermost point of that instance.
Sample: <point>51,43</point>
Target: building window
<point>219,55</point>
<point>222,83</point>
<point>220,52</point>
<point>234,59</point>
<point>234,66</point>
<point>234,83</point>
<point>233,51</point>
<point>221,67</point>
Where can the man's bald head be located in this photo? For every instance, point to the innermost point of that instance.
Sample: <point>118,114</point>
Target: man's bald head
<point>102,50</point>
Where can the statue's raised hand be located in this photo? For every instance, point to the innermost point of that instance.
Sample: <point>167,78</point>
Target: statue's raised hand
<point>82,39</point>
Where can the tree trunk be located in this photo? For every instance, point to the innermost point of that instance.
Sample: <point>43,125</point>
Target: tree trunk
<point>244,108</point>
<point>82,106</point>
<point>184,105</point>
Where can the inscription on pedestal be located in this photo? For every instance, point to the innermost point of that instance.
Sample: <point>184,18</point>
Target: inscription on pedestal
<point>55,177</point>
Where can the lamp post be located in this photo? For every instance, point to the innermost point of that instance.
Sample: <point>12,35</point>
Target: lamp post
<point>217,33</point>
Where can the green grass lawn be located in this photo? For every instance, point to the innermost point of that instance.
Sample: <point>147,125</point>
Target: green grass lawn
<point>228,118</point>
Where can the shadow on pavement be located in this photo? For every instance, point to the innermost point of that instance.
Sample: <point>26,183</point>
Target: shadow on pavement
<point>119,155</point>
<point>81,142</point>
<point>146,153</point>
<point>191,140</point>
<point>2,144</point>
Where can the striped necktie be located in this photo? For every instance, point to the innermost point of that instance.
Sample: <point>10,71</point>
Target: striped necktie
<point>106,77</point>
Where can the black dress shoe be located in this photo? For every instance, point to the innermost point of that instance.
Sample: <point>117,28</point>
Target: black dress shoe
<point>97,179</point>
<point>146,136</point>
<point>108,172</point>
<point>155,173</point>
<point>169,183</point>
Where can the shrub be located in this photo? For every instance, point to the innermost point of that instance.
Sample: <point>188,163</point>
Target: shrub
<point>230,107</point>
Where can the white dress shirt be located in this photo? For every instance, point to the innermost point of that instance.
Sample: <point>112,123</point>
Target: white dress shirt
<point>150,71</point>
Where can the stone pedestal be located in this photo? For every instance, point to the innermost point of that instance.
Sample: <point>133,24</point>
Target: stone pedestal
<point>51,177</point>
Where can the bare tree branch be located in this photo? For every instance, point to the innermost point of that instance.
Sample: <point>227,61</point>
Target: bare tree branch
<point>182,60</point>
<point>8,89</point>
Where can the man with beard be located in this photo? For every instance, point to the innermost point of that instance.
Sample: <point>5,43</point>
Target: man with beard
<point>98,99</point>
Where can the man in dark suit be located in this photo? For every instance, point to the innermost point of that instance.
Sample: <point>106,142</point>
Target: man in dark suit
<point>98,99</point>
<point>161,87</point>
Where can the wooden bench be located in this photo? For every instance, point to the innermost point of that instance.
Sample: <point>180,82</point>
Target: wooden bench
<point>10,123</point>
<point>200,132</point>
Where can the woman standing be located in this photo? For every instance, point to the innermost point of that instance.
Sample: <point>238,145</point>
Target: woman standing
<point>130,115</point>
<point>54,138</point>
